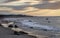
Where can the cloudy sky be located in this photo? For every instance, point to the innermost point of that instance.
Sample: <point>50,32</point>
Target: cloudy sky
<point>31,7</point>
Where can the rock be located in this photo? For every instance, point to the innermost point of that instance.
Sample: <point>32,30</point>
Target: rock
<point>19,33</point>
<point>10,26</point>
<point>16,26</point>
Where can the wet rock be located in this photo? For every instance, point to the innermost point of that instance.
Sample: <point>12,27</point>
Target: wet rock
<point>16,26</point>
<point>49,22</point>
<point>19,33</point>
<point>31,27</point>
<point>46,18</point>
<point>0,25</point>
<point>16,33</point>
<point>30,36</point>
<point>30,20</point>
<point>45,30</point>
<point>11,26</point>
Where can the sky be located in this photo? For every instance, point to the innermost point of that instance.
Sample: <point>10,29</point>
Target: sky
<point>32,7</point>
